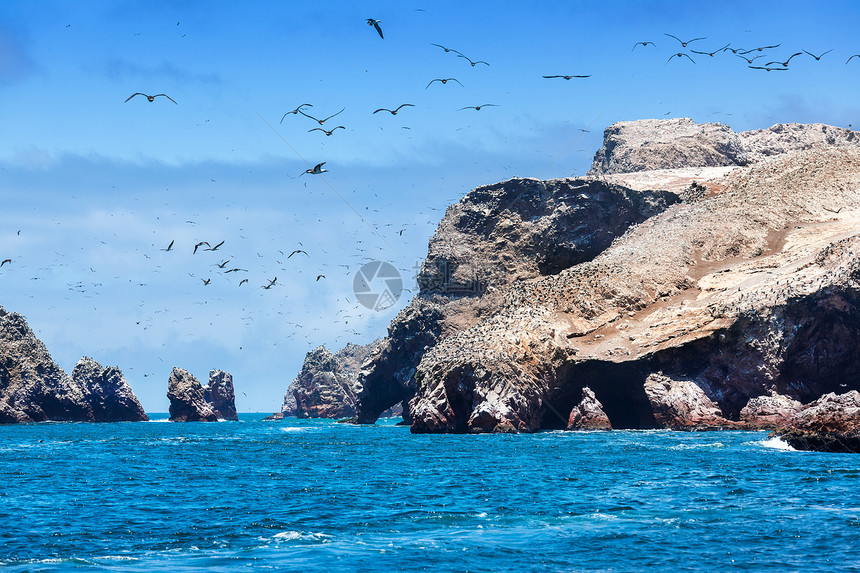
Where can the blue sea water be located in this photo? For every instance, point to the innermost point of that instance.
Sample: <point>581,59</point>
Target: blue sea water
<point>311,495</point>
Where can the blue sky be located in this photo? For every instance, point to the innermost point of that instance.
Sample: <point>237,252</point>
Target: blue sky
<point>98,186</point>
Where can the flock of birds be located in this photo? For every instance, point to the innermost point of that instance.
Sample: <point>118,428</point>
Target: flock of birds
<point>750,55</point>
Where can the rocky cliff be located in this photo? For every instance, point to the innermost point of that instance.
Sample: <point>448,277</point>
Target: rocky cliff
<point>190,401</point>
<point>646,145</point>
<point>34,389</point>
<point>607,303</point>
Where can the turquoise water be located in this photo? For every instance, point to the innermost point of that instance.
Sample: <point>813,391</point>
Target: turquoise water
<point>314,495</point>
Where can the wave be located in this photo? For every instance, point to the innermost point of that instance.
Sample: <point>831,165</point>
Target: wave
<point>776,444</point>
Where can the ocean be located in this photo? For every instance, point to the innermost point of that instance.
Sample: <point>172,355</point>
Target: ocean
<point>314,495</point>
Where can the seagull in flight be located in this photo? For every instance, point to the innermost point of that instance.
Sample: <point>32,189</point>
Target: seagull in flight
<point>320,277</point>
<point>762,48</point>
<point>643,44</point>
<point>316,170</point>
<point>243,281</point>
<point>678,55</point>
<point>854,56</point>
<point>297,251</point>
<point>683,43</point>
<point>394,112</point>
<point>818,57</point>
<point>726,47</point>
<point>295,111</point>
<point>327,132</point>
<point>6,261</point>
<point>478,107</point>
<point>444,81</point>
<point>375,24</point>
<point>321,121</point>
<point>200,244</point>
<point>215,248</point>
<point>785,63</point>
<point>170,246</point>
<point>206,281</point>
<point>459,55</point>
<point>444,48</point>
<point>566,77</point>
<point>271,283</point>
<point>769,69</point>
<point>151,98</point>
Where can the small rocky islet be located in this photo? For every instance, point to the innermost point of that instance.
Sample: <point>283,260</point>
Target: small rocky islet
<point>695,278</point>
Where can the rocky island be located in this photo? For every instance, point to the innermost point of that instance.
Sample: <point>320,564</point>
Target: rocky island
<point>190,401</point>
<point>696,278</point>
<point>34,389</point>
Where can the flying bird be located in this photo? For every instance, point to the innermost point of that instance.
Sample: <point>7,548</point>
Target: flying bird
<point>444,48</point>
<point>643,44</point>
<point>236,270</point>
<point>316,170</point>
<point>478,107</point>
<point>762,48</point>
<point>325,131</point>
<point>683,43</point>
<point>750,60</point>
<point>271,283</point>
<point>6,261</point>
<point>444,81</point>
<point>854,56</point>
<point>170,246</point>
<point>566,77</point>
<point>817,57</point>
<point>375,24</point>
<point>151,98</point>
<point>320,277</point>
<point>295,111</point>
<point>678,55</point>
<point>222,265</point>
<point>243,281</point>
<point>200,244</point>
<point>215,248</point>
<point>459,55</point>
<point>297,251</point>
<point>205,281</point>
<point>785,63</point>
<point>321,121</point>
<point>769,69</point>
<point>394,112</point>
<point>726,47</point>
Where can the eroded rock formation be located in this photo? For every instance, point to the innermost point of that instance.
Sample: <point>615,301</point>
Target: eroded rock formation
<point>190,401</point>
<point>829,424</point>
<point>34,389</point>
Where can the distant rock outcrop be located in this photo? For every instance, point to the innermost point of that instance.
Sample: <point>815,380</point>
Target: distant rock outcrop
<point>649,144</point>
<point>588,414</point>
<point>192,402</point>
<point>830,424</point>
<point>34,389</point>
<point>328,383</point>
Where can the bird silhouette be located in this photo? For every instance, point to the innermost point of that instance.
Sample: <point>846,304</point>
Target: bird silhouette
<point>205,281</point>
<point>394,112</point>
<point>295,111</point>
<point>321,121</point>
<point>243,281</point>
<point>271,283</point>
<point>711,54</point>
<point>444,81</point>
<point>566,77</point>
<point>375,24</point>
<point>326,131</point>
<point>320,277</point>
<point>478,107</point>
<point>200,244</point>
<point>150,98</point>
<point>854,56</point>
<point>170,246</point>
<point>750,60</point>
<point>768,68</point>
<point>297,251</point>
<point>316,170</point>
<point>817,57</point>
<point>785,63</point>
<point>444,48</point>
<point>6,261</point>
<point>215,248</point>
<point>643,44</point>
<point>678,55</point>
<point>683,43</point>
<point>761,48</point>
<point>222,265</point>
<point>459,55</point>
